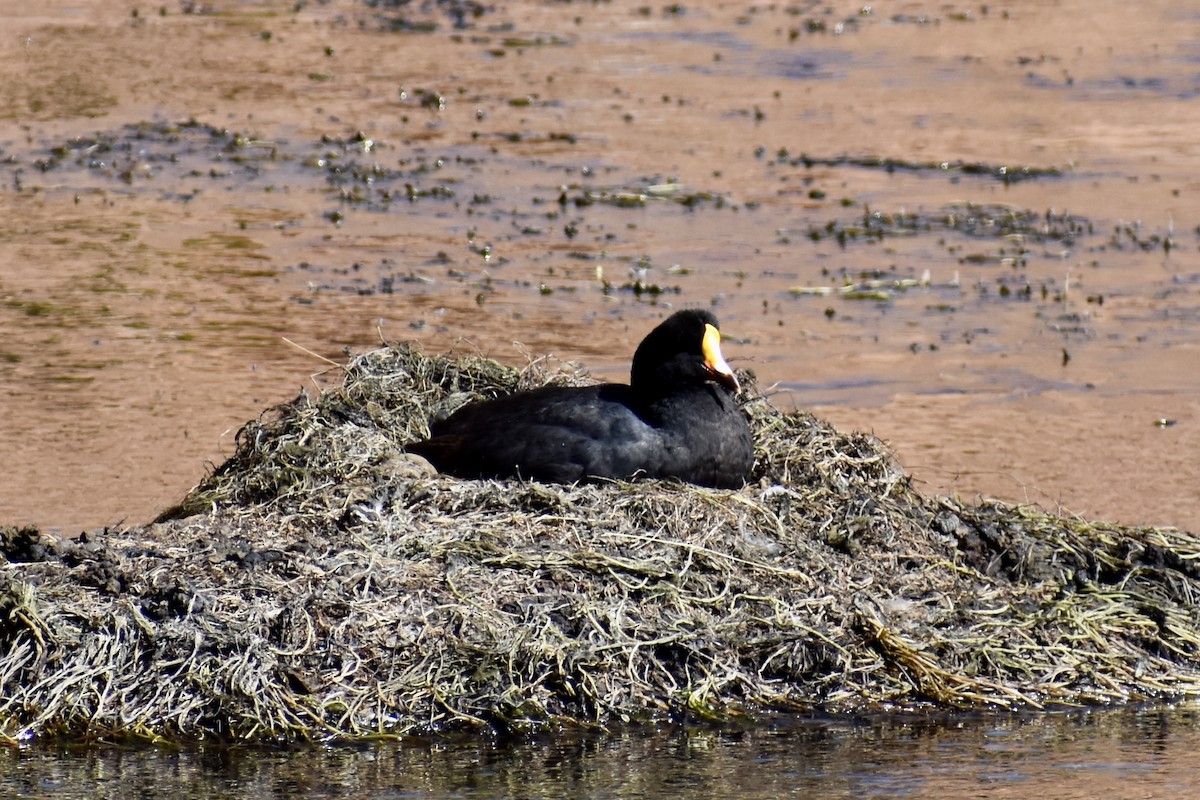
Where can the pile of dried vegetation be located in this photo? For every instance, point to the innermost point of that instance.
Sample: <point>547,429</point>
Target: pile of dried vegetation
<point>322,584</point>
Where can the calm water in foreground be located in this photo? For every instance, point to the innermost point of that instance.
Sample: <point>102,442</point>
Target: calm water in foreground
<point>1114,754</point>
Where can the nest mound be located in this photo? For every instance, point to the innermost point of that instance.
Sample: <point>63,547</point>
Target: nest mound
<point>323,584</point>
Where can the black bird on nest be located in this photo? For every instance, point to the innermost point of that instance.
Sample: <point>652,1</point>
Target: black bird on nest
<point>676,419</point>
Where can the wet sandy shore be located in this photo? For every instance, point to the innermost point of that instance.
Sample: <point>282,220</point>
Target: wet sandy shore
<point>973,230</point>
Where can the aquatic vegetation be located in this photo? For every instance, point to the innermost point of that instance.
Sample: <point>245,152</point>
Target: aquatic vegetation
<point>426,17</point>
<point>323,584</point>
<point>582,197</point>
<point>982,221</point>
<point>1005,173</point>
<point>150,150</point>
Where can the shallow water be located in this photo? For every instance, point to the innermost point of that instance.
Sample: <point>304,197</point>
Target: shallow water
<point>188,194</point>
<point>1146,754</point>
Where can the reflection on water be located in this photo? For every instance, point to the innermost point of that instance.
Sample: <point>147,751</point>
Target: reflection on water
<point>1114,754</point>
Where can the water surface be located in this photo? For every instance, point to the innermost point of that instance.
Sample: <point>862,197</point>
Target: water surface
<point>1146,754</point>
<point>1009,191</point>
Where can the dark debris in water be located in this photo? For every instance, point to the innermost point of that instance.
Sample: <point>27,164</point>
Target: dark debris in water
<point>426,16</point>
<point>1005,173</point>
<point>582,197</point>
<point>178,159</point>
<point>142,152</point>
<point>322,584</point>
<point>356,172</point>
<point>980,221</point>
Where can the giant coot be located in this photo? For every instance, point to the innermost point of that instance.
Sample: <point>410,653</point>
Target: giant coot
<point>676,419</point>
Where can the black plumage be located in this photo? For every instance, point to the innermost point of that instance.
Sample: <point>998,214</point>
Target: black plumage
<point>676,419</point>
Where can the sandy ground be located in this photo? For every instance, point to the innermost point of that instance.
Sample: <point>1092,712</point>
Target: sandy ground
<point>205,204</point>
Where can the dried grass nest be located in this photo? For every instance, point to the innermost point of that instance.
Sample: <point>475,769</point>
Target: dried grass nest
<point>323,585</point>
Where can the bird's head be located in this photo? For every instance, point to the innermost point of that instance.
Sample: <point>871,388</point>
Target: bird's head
<point>684,350</point>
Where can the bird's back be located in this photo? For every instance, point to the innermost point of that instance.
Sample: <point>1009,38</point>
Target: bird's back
<point>568,434</point>
<point>555,434</point>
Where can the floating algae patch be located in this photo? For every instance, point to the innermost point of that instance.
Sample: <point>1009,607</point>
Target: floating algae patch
<point>971,220</point>
<point>322,584</point>
<point>427,17</point>
<point>1006,174</point>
